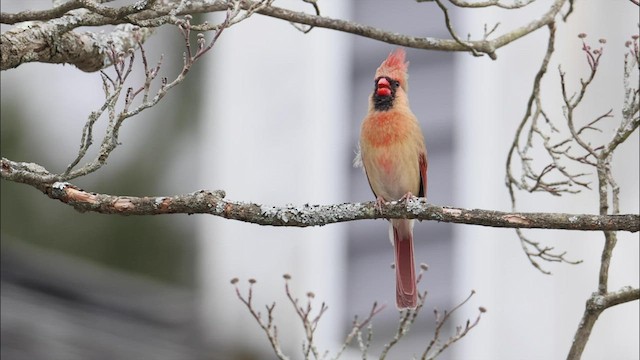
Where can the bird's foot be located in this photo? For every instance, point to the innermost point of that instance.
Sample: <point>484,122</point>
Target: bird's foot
<point>406,197</point>
<point>379,203</point>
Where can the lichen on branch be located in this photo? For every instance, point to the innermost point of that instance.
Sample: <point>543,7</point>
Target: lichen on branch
<point>214,203</point>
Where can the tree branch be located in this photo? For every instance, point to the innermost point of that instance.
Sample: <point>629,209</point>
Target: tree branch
<point>532,179</point>
<point>54,42</point>
<point>626,294</point>
<point>489,3</point>
<point>596,304</point>
<point>426,43</point>
<point>87,53</point>
<point>49,43</point>
<point>207,202</point>
<point>609,196</point>
<point>67,6</point>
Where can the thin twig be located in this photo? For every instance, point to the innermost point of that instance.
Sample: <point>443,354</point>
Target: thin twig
<point>609,202</point>
<point>460,331</point>
<point>536,180</point>
<point>161,14</point>
<point>452,32</point>
<point>269,328</point>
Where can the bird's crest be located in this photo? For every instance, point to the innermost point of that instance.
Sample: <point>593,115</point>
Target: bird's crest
<point>395,67</point>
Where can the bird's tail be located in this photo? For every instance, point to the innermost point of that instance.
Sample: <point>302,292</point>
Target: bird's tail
<point>406,292</point>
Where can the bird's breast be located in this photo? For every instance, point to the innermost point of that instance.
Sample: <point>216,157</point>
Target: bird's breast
<point>390,153</point>
<point>384,129</point>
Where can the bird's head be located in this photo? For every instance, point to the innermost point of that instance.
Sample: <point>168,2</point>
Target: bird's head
<point>395,67</point>
<point>390,77</point>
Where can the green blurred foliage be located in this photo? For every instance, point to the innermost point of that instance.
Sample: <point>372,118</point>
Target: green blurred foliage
<point>161,247</point>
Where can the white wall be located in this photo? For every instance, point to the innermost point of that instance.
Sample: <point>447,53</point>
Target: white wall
<point>274,132</point>
<point>531,315</point>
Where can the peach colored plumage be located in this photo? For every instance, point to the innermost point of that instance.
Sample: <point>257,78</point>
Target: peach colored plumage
<point>395,160</point>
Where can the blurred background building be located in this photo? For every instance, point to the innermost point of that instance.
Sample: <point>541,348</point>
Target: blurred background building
<point>272,116</point>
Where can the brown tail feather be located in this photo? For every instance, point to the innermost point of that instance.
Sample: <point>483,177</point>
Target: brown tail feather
<point>406,292</point>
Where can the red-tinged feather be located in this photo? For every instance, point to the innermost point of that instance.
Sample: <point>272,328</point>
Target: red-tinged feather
<point>395,67</point>
<point>382,129</point>
<point>406,289</point>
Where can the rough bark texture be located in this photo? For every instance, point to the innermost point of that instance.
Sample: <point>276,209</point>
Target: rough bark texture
<point>208,202</point>
<point>42,43</point>
<point>55,42</point>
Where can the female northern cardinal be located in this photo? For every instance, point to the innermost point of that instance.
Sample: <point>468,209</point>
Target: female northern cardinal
<point>395,161</point>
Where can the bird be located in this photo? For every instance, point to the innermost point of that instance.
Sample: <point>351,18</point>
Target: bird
<point>394,157</point>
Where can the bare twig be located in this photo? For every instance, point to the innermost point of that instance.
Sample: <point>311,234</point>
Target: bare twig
<point>452,32</point>
<point>310,323</point>
<point>560,150</point>
<point>117,117</point>
<point>573,101</point>
<point>407,317</point>
<point>533,180</point>
<point>114,87</point>
<point>316,8</point>
<point>269,328</point>
<point>160,14</point>
<point>608,191</point>
<point>406,320</point>
<point>356,331</point>
<point>631,107</point>
<point>441,320</point>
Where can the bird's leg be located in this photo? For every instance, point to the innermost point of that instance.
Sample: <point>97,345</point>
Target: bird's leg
<point>379,203</point>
